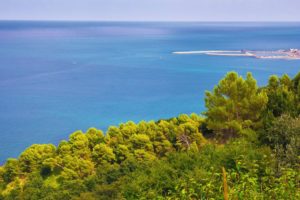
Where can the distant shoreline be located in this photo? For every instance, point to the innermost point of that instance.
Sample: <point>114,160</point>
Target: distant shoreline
<point>291,54</point>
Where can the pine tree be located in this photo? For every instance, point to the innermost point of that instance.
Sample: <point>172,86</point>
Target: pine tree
<point>234,104</point>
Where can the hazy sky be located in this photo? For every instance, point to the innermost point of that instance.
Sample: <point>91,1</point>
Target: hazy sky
<point>152,10</point>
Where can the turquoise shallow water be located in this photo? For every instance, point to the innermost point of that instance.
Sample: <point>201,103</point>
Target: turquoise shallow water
<point>58,77</point>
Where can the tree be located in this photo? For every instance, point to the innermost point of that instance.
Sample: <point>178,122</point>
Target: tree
<point>281,96</point>
<point>284,137</point>
<point>76,168</point>
<point>80,144</point>
<point>94,137</point>
<point>296,85</point>
<point>10,170</point>
<point>103,154</point>
<point>234,104</point>
<point>141,141</point>
<point>33,157</point>
<point>188,134</point>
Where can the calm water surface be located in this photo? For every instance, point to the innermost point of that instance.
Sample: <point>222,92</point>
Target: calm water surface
<point>58,77</point>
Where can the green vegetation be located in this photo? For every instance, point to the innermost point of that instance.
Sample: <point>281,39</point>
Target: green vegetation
<point>246,146</point>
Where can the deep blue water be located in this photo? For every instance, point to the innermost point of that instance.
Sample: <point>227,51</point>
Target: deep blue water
<point>58,77</point>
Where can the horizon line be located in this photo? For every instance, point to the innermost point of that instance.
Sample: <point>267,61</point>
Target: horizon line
<point>169,21</point>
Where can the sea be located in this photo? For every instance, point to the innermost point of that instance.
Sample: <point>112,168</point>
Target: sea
<point>57,77</point>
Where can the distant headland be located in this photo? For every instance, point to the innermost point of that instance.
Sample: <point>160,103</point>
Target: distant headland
<point>290,54</point>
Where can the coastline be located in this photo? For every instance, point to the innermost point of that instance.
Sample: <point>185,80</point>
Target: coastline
<point>292,54</point>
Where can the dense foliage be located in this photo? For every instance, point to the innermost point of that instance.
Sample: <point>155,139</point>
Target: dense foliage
<point>252,133</point>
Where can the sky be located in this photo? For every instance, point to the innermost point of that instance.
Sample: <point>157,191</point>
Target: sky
<point>151,10</point>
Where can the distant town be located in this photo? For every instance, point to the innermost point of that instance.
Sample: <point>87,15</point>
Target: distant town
<point>278,54</point>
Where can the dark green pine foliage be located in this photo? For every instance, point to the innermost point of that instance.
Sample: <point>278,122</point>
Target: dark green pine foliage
<point>234,105</point>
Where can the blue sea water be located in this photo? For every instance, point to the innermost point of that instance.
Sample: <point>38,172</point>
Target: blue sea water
<point>58,77</point>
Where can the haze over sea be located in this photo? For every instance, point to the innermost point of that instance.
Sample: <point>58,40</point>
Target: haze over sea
<point>58,77</point>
